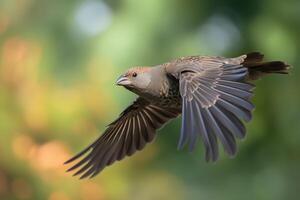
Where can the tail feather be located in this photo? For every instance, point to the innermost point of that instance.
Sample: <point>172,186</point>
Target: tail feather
<point>253,57</point>
<point>257,68</point>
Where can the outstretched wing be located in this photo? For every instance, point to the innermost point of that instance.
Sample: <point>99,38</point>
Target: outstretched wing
<point>215,100</point>
<point>135,127</point>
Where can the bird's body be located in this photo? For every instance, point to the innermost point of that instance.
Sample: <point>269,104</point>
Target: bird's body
<point>212,94</point>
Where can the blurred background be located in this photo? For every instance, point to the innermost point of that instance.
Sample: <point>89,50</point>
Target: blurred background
<point>58,64</point>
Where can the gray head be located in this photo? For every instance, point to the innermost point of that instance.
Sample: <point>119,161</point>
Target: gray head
<point>136,79</point>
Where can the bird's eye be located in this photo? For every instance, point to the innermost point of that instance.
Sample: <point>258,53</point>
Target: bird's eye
<point>134,74</point>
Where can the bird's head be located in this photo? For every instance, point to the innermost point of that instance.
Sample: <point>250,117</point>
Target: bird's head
<point>135,79</point>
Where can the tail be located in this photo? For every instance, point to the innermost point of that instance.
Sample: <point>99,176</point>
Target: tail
<point>257,68</point>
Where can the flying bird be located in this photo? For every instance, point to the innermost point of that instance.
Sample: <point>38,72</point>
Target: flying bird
<point>212,94</point>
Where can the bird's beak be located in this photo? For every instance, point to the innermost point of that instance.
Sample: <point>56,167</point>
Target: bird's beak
<point>123,81</point>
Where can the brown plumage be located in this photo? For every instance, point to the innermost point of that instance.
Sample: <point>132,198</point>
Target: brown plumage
<point>212,94</point>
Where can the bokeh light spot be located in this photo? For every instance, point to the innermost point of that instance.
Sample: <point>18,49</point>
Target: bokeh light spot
<point>219,34</point>
<point>58,196</point>
<point>50,155</point>
<point>92,17</point>
<point>22,145</point>
<point>91,191</point>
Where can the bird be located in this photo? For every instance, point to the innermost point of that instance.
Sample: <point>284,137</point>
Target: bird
<point>212,94</point>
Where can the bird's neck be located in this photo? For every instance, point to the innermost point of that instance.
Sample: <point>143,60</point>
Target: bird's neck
<point>158,86</point>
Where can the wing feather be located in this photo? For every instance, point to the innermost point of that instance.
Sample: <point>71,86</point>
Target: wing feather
<point>215,101</point>
<point>129,133</point>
